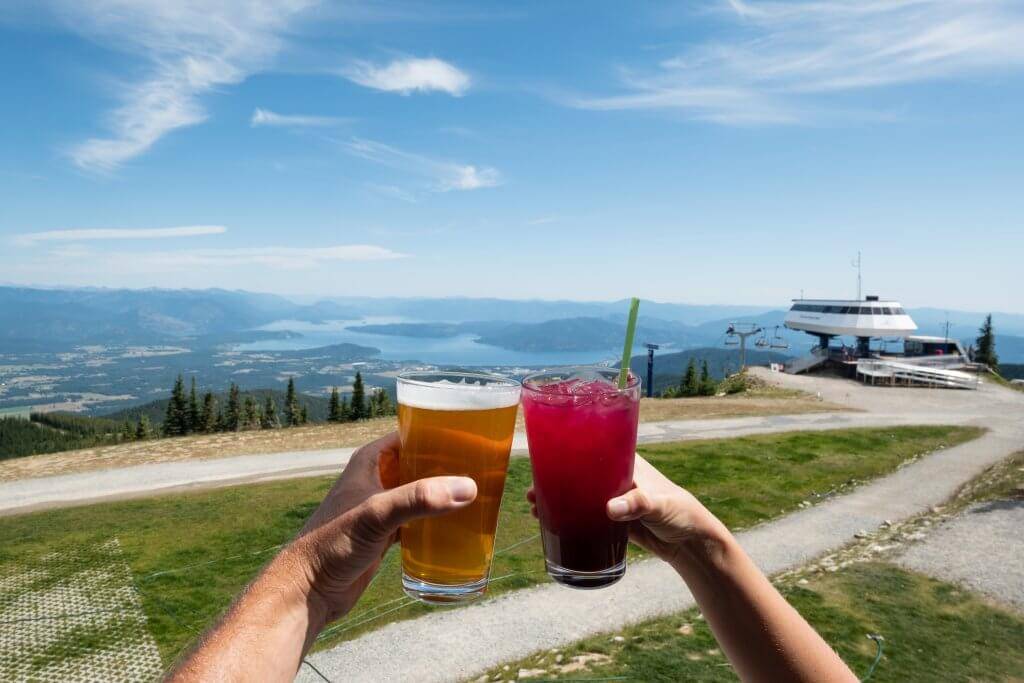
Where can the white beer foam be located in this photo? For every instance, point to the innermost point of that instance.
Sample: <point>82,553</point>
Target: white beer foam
<point>445,395</point>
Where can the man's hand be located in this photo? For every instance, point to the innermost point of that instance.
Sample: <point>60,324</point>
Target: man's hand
<point>319,576</point>
<point>344,540</point>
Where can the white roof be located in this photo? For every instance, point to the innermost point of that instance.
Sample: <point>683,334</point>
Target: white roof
<point>850,317</point>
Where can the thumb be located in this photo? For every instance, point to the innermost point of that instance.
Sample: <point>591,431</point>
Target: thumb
<point>634,504</point>
<point>391,509</point>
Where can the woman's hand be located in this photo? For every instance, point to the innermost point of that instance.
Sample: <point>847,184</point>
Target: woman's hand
<point>664,518</point>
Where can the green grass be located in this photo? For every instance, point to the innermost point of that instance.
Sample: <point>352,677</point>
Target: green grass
<point>214,542</point>
<point>933,631</point>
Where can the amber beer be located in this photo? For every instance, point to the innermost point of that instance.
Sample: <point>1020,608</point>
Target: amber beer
<point>454,423</point>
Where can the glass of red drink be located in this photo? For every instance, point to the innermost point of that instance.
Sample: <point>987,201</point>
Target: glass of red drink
<point>581,430</point>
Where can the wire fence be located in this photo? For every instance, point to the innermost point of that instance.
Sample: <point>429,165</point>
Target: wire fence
<point>78,616</point>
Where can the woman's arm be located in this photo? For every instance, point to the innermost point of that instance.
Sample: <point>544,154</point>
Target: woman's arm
<point>764,638</point>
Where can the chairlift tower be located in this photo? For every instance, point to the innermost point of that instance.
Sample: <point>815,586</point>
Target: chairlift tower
<point>741,331</point>
<point>651,348</point>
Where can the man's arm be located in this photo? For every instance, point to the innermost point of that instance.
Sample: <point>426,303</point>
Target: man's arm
<point>319,576</point>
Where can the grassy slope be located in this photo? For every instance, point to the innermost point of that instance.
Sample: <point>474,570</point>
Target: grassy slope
<point>216,540</point>
<point>933,631</point>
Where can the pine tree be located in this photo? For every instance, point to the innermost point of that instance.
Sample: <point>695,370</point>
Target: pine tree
<point>357,407</point>
<point>250,418</point>
<point>346,413</point>
<point>291,405</point>
<point>233,411</point>
<point>985,345</point>
<point>143,430</point>
<point>303,415</point>
<point>380,403</point>
<point>689,385</point>
<point>208,414</point>
<point>127,431</point>
<point>176,418</point>
<point>707,385</point>
<point>270,420</point>
<point>334,407</point>
<point>193,409</point>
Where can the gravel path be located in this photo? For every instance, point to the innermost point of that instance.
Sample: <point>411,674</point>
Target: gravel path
<point>458,644</point>
<point>26,495</point>
<point>982,548</point>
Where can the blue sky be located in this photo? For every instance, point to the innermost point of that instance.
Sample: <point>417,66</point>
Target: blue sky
<point>704,152</point>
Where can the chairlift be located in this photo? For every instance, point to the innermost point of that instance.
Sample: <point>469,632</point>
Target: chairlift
<point>762,341</point>
<point>778,341</point>
<point>732,340</point>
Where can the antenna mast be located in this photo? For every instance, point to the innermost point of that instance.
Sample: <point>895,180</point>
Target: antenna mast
<point>856,264</point>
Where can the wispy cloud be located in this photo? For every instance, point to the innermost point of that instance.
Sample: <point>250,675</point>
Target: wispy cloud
<point>410,75</point>
<point>392,192</point>
<point>265,117</point>
<point>780,60</point>
<point>444,175</point>
<point>279,258</point>
<point>82,235</point>
<point>191,48</point>
<point>542,220</point>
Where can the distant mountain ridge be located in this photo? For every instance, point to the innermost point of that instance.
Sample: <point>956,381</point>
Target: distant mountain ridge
<point>30,317</point>
<point>54,319</point>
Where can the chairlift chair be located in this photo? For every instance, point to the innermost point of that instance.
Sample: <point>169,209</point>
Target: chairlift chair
<point>762,341</point>
<point>732,340</point>
<point>778,341</point>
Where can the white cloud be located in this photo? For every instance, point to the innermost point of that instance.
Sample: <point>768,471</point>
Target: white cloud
<point>781,60</point>
<point>189,47</point>
<point>409,75</point>
<point>278,258</point>
<point>81,235</point>
<point>445,175</point>
<point>265,117</point>
<point>392,191</point>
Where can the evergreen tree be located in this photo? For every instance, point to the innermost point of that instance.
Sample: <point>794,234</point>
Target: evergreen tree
<point>346,413</point>
<point>357,407</point>
<point>143,430</point>
<point>303,415</point>
<point>985,345</point>
<point>380,403</point>
<point>270,420</point>
<point>193,409</point>
<point>291,405</point>
<point>208,414</point>
<point>250,416</point>
<point>176,418</point>
<point>334,407</point>
<point>233,410</point>
<point>707,385</point>
<point>127,431</point>
<point>690,384</point>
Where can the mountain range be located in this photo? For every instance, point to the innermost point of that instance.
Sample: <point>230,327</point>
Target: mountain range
<point>55,319</point>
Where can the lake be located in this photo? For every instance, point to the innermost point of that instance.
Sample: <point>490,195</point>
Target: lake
<point>458,350</point>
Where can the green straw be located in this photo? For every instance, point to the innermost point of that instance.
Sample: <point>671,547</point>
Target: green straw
<point>627,348</point>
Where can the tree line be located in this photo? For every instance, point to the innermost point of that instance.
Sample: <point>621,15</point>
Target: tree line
<point>692,384</point>
<point>187,413</point>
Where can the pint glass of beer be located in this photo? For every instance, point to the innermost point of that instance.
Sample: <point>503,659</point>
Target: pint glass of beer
<point>454,423</point>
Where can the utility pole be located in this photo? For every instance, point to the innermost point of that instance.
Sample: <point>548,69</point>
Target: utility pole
<point>651,348</point>
<point>947,327</point>
<point>856,264</point>
<point>742,330</point>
